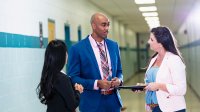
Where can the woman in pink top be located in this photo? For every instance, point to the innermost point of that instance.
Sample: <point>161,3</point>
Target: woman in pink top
<point>167,87</point>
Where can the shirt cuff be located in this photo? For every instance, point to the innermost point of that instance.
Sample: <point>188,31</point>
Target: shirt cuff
<point>121,82</point>
<point>95,85</point>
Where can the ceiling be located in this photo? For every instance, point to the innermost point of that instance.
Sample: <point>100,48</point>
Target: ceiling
<point>171,13</point>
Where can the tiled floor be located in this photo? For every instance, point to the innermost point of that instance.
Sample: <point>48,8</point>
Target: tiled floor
<point>134,102</point>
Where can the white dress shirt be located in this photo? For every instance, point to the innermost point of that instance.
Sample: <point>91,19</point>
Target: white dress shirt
<point>97,56</point>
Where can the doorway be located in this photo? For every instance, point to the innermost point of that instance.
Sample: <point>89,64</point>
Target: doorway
<point>79,33</point>
<point>51,30</point>
<point>67,35</point>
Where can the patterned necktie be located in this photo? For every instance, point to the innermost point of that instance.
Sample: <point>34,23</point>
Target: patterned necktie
<point>104,61</point>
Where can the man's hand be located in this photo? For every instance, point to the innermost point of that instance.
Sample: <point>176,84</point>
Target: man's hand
<point>104,84</point>
<point>115,82</point>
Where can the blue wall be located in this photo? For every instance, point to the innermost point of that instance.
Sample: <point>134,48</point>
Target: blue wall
<point>20,41</point>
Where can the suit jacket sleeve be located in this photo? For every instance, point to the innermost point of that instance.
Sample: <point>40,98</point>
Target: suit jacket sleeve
<point>119,65</point>
<point>71,97</point>
<point>74,66</point>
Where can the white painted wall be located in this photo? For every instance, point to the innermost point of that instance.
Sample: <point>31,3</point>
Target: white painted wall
<point>23,16</point>
<point>191,54</point>
<point>21,67</point>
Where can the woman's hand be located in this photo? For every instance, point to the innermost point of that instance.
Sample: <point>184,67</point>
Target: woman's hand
<point>152,86</point>
<point>79,87</point>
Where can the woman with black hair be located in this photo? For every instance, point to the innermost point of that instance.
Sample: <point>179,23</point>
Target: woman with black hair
<point>55,88</point>
<point>165,76</point>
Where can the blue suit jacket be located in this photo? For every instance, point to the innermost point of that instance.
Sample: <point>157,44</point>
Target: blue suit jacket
<point>83,69</point>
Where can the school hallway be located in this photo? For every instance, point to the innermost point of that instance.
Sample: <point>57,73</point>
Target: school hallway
<point>135,102</point>
<point>27,26</point>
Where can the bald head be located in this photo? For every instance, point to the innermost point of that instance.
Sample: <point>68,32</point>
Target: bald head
<point>100,25</point>
<point>95,17</point>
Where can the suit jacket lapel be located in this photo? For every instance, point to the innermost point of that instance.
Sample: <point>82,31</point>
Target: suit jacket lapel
<point>91,52</point>
<point>112,54</point>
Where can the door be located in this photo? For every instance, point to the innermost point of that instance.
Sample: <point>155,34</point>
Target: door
<point>67,35</point>
<point>51,30</point>
<point>79,33</point>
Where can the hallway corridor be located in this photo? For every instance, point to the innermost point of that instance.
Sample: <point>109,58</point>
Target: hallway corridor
<point>134,102</point>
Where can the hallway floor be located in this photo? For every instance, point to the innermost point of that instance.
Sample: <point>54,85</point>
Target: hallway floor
<point>134,102</point>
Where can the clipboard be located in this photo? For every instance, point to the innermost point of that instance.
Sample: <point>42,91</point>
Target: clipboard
<point>133,87</point>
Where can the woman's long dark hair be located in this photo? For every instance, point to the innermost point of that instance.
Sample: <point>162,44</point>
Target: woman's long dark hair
<point>54,61</point>
<point>164,36</point>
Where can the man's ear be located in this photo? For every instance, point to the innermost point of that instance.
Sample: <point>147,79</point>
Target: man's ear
<point>93,26</point>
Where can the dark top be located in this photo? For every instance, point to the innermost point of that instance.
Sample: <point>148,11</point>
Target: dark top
<point>64,98</point>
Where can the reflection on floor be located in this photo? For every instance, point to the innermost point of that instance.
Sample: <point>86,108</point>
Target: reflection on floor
<point>134,102</point>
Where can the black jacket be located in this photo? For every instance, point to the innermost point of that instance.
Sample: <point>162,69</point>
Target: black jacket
<point>64,98</point>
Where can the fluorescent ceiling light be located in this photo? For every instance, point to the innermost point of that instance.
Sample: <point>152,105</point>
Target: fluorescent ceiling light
<point>150,14</point>
<point>144,1</point>
<point>153,22</point>
<point>151,18</point>
<point>149,8</point>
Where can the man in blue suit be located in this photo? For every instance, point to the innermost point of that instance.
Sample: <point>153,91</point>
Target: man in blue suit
<point>95,63</point>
